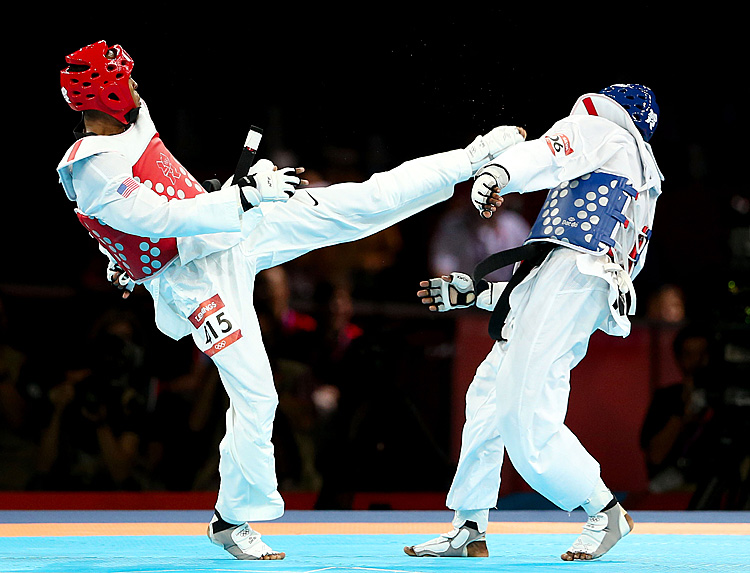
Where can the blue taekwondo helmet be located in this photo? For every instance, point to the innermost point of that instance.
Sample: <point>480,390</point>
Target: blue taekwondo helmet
<point>639,102</point>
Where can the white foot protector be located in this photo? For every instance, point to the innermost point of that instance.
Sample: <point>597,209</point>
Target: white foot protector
<point>243,542</point>
<point>453,544</point>
<point>600,533</point>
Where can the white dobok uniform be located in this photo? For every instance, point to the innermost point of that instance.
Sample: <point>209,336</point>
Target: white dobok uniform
<point>518,399</point>
<point>205,286</point>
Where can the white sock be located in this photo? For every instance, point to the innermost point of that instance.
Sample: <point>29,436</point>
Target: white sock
<point>479,516</point>
<point>598,499</point>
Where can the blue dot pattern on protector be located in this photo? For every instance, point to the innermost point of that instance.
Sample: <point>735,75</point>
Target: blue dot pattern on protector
<point>584,213</point>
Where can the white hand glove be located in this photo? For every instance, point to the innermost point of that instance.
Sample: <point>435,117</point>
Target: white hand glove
<point>257,167</point>
<point>117,276</point>
<point>485,148</point>
<point>261,165</point>
<point>448,292</point>
<point>489,179</point>
<point>268,185</point>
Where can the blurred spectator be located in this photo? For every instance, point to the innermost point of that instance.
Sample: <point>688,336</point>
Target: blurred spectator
<point>16,448</point>
<point>377,439</point>
<point>673,436</point>
<point>92,412</point>
<point>286,331</point>
<point>187,421</point>
<point>288,336</point>
<point>334,330</point>
<point>12,406</point>
<point>462,238</point>
<point>335,334</point>
<point>667,305</point>
<point>724,482</point>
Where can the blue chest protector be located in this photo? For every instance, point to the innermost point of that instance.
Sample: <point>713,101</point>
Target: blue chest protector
<point>584,213</point>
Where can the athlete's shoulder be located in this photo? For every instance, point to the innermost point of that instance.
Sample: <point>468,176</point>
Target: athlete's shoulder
<point>130,143</point>
<point>87,147</point>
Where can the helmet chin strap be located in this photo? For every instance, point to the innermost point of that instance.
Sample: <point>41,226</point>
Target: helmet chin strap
<point>79,131</point>
<point>132,116</point>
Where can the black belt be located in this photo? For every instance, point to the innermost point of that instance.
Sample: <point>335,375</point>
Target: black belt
<point>532,255</point>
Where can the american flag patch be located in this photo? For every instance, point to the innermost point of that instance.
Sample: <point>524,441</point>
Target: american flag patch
<point>127,187</point>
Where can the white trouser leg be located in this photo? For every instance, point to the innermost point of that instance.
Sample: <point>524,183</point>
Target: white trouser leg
<point>597,499</point>
<point>554,314</point>
<point>477,479</point>
<point>248,489</point>
<point>479,516</point>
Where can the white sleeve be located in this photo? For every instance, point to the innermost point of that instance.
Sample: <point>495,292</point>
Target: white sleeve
<point>138,210</point>
<point>572,147</point>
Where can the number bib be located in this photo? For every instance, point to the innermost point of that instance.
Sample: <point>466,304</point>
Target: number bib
<point>216,328</point>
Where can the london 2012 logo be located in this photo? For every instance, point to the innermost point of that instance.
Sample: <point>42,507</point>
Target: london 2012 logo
<point>168,168</point>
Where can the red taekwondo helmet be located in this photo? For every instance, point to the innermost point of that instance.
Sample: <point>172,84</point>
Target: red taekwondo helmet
<point>98,77</point>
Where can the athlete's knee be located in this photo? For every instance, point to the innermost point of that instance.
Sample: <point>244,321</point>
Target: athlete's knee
<point>525,437</point>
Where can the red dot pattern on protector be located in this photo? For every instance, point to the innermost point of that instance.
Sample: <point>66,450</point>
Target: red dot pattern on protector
<point>144,257</point>
<point>140,257</point>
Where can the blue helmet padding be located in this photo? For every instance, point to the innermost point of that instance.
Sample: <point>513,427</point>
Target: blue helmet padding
<point>640,103</point>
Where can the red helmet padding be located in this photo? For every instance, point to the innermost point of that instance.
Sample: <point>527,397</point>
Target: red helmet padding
<point>104,85</point>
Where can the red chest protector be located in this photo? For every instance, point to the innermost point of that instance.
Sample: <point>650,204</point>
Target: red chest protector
<point>144,257</point>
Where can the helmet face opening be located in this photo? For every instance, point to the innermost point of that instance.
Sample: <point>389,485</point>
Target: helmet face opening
<point>98,77</point>
<point>640,103</point>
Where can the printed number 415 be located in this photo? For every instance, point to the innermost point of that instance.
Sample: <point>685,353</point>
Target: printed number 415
<point>221,323</point>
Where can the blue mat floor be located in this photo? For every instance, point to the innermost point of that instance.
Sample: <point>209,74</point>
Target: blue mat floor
<point>382,553</point>
<point>375,553</point>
